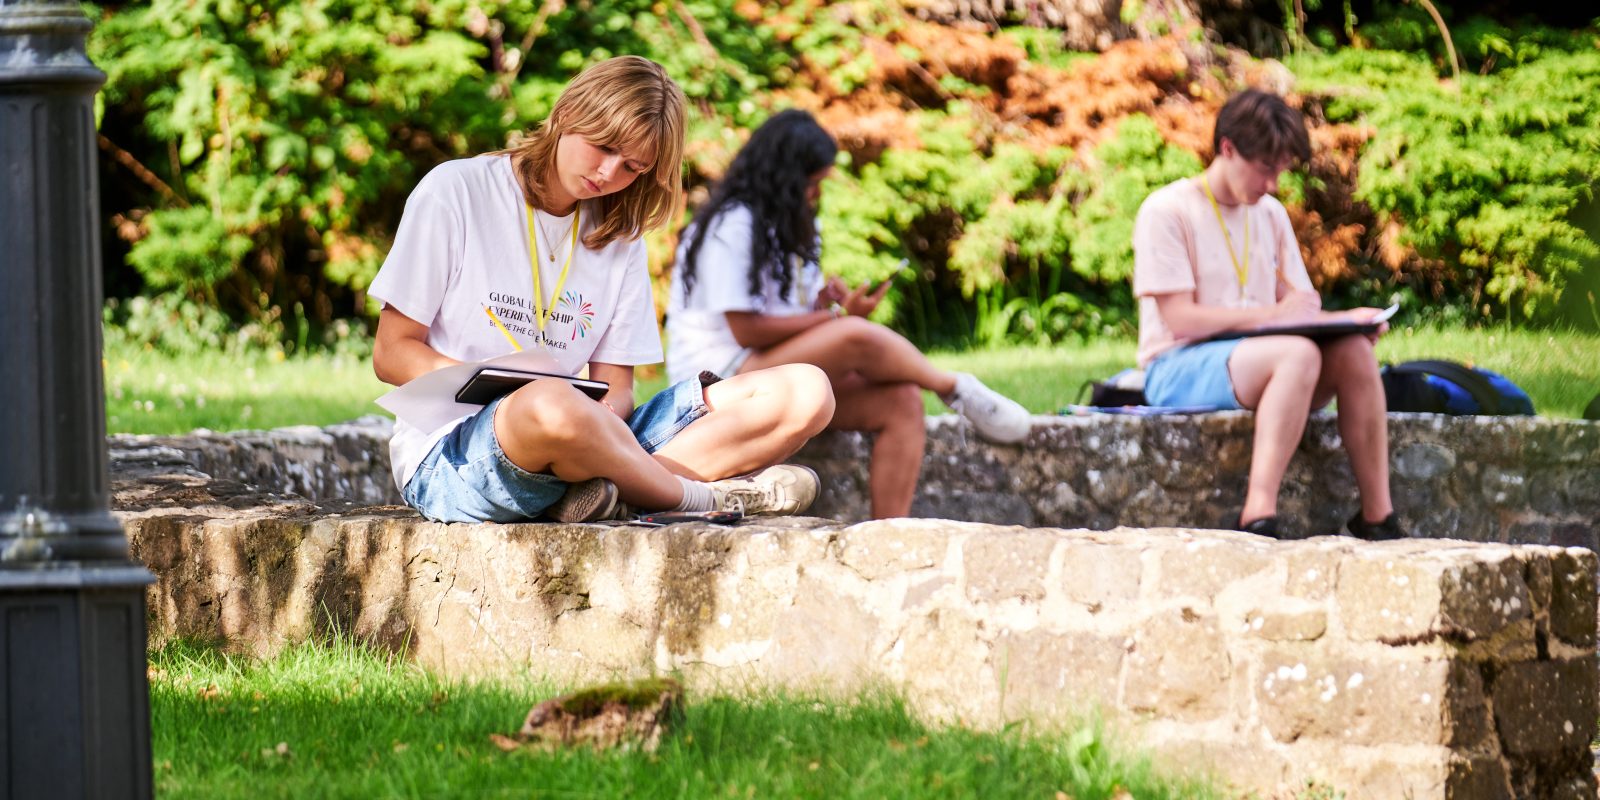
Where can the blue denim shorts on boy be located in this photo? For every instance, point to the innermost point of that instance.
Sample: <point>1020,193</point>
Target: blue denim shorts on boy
<point>1196,375</point>
<point>466,477</point>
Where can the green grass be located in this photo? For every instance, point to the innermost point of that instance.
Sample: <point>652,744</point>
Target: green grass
<point>354,723</point>
<point>151,392</point>
<point>148,392</point>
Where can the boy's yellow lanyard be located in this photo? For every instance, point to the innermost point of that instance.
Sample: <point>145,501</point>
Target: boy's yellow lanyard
<point>1242,270</point>
<point>541,312</point>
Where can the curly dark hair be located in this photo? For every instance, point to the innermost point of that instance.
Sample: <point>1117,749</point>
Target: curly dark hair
<point>769,177</point>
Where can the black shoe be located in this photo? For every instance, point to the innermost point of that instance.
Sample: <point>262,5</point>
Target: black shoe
<point>1266,526</point>
<point>1383,531</point>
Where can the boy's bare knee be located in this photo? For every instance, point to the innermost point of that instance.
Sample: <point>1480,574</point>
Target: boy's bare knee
<point>1353,353</point>
<point>1300,357</point>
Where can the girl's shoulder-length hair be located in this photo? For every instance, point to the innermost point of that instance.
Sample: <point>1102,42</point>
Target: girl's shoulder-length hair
<point>628,103</point>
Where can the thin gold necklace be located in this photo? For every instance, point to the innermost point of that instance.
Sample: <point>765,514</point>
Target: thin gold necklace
<point>552,241</point>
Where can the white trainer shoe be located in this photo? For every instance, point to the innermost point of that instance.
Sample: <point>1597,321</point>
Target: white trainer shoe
<point>776,490</point>
<point>994,416</point>
<point>588,501</point>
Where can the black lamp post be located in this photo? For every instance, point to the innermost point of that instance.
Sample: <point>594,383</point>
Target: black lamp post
<point>74,705</point>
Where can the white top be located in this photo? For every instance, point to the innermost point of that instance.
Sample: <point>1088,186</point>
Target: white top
<point>1178,247</point>
<point>698,337</point>
<point>463,245</point>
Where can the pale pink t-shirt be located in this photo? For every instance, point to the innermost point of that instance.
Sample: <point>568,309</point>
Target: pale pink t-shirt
<point>1179,247</point>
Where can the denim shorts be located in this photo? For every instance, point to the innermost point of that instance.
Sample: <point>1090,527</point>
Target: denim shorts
<point>466,477</point>
<point>1196,375</point>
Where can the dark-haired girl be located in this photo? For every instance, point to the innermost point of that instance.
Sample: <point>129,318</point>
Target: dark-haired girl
<point>748,294</point>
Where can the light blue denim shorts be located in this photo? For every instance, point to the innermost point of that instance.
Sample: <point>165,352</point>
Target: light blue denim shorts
<point>466,477</point>
<point>1196,375</point>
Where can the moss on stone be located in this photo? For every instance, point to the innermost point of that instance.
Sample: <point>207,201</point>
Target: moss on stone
<point>634,695</point>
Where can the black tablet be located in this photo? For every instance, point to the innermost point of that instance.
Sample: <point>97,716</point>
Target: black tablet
<point>1311,330</point>
<point>490,382</point>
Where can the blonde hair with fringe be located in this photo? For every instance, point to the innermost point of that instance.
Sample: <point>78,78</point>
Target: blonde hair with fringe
<point>627,103</point>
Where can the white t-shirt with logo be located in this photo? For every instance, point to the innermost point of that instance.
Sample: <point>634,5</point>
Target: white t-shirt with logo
<point>698,337</point>
<point>463,245</point>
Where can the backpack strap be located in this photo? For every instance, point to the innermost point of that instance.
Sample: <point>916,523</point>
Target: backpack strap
<point>1482,391</point>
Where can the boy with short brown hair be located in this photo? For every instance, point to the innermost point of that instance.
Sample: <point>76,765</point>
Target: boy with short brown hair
<point>1215,253</point>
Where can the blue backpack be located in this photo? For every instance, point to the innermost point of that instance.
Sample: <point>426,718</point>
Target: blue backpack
<point>1445,387</point>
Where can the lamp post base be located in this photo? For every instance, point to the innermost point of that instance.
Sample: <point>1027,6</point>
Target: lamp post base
<point>74,699</point>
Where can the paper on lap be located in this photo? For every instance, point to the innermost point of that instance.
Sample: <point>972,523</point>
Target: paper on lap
<point>429,402</point>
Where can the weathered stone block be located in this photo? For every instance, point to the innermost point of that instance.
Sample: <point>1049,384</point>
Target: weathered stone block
<point>1005,565</point>
<point>964,688</point>
<point>1287,620</point>
<point>1200,568</point>
<point>1302,693</point>
<point>1479,599</point>
<point>1387,597</point>
<point>825,637</point>
<point>1100,576</point>
<point>877,549</point>
<point>1546,709</point>
<point>1572,599</point>
<point>1058,674</point>
<point>1423,461</point>
<point>1504,487</point>
<point>1179,667</point>
<point>1312,570</point>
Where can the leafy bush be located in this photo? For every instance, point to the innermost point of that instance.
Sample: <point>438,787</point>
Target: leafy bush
<point>1484,177</point>
<point>263,151</point>
<point>275,141</point>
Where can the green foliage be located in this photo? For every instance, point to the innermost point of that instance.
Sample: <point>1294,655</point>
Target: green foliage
<point>276,142</point>
<point>176,326</point>
<point>279,139</point>
<point>1046,46</point>
<point>1485,176</point>
<point>1127,168</point>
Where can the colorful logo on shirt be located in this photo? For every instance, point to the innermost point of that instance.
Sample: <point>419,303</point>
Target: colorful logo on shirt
<point>582,313</point>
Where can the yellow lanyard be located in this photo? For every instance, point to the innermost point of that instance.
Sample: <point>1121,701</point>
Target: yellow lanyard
<point>1242,270</point>
<point>541,313</point>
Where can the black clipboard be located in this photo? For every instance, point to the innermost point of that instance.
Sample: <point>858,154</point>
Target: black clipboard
<point>1311,330</point>
<point>491,382</point>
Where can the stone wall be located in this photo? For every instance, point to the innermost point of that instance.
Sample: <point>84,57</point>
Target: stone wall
<point>1401,669</point>
<point>1489,479</point>
<point>348,462</point>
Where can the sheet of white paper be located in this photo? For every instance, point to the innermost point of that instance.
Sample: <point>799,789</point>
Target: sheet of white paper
<point>429,402</point>
<point>1384,315</point>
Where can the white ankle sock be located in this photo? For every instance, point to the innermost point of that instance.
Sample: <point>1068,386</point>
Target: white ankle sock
<point>696,496</point>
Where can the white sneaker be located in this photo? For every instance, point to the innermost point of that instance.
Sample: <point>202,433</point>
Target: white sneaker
<point>588,501</point>
<point>780,489</point>
<point>993,415</point>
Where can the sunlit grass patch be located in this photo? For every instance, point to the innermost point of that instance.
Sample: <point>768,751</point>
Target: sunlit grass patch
<point>150,392</point>
<point>337,720</point>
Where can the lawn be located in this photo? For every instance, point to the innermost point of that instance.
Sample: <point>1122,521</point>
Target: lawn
<point>336,720</point>
<point>147,392</point>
